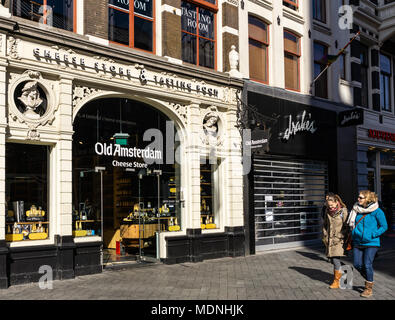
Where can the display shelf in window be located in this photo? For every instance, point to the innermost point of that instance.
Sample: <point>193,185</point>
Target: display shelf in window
<point>31,225</point>
<point>207,218</point>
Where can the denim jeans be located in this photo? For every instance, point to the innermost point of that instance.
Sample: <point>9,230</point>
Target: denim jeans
<point>363,261</point>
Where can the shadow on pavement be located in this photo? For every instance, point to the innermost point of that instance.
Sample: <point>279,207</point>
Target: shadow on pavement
<point>315,274</point>
<point>384,261</point>
<point>313,256</point>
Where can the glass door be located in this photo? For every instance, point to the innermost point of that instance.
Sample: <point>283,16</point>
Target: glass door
<point>148,217</point>
<point>87,215</point>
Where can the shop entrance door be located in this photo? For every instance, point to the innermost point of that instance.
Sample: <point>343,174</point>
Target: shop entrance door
<point>139,231</point>
<point>149,221</point>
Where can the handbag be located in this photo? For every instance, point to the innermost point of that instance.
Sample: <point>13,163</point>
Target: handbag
<point>349,238</point>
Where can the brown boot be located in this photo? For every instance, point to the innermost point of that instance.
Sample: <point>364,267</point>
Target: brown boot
<point>368,290</point>
<point>336,280</point>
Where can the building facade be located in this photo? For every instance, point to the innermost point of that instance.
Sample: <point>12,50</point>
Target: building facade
<point>299,150</point>
<point>118,127</point>
<point>372,62</point>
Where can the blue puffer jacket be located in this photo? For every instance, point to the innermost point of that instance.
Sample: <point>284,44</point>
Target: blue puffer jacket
<point>368,231</point>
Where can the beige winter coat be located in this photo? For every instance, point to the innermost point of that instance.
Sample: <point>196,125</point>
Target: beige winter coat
<point>334,233</point>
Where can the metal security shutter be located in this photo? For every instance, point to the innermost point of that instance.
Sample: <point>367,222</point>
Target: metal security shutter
<point>288,197</point>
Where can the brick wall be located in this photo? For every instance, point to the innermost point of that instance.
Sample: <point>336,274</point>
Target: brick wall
<point>228,40</point>
<point>171,31</point>
<point>96,18</point>
<point>230,18</point>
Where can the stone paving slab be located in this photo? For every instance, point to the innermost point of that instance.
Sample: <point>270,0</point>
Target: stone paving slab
<point>297,274</point>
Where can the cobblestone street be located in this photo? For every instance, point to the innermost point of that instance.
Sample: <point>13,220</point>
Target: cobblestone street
<point>297,274</point>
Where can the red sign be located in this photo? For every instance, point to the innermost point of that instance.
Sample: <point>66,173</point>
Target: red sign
<point>382,135</point>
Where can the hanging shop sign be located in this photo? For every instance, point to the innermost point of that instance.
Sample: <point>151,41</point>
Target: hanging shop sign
<point>137,72</point>
<point>259,140</point>
<point>295,128</point>
<point>381,135</point>
<point>352,117</point>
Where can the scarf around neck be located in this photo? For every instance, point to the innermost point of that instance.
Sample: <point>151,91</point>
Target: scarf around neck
<point>334,211</point>
<point>358,209</point>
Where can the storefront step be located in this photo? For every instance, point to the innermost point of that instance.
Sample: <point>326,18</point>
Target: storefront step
<point>117,265</point>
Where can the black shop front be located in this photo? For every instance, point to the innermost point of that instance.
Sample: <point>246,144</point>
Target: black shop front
<point>296,158</point>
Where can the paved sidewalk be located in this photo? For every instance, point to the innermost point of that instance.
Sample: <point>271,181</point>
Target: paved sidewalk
<point>298,274</point>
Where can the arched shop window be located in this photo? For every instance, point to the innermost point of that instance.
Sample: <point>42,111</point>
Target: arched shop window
<point>131,23</point>
<point>136,183</point>
<point>56,13</point>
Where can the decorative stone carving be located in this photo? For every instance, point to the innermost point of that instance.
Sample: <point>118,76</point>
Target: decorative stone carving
<point>32,101</point>
<point>33,134</point>
<point>181,110</point>
<point>211,128</point>
<point>234,62</point>
<point>81,93</point>
<point>12,45</point>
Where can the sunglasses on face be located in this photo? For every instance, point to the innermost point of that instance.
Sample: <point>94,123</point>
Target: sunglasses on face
<point>361,197</point>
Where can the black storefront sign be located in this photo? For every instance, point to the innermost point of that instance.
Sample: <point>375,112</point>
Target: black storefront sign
<point>352,117</point>
<point>259,141</point>
<point>298,129</point>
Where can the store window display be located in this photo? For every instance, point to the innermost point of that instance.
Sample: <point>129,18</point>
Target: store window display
<point>135,194</point>
<point>209,218</point>
<point>27,216</point>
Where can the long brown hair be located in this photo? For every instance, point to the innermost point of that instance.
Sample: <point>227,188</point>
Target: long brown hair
<point>336,198</point>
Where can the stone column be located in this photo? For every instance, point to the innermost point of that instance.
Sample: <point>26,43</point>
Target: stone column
<point>193,166</point>
<point>63,238</point>
<point>3,124</point>
<point>234,218</point>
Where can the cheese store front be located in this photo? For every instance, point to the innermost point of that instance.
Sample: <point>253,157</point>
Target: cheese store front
<point>106,159</point>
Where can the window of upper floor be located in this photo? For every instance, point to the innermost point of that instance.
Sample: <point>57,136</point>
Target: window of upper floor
<point>293,4</point>
<point>56,13</point>
<point>198,32</point>
<point>258,43</point>
<point>319,10</point>
<point>364,57</point>
<point>320,62</point>
<point>291,61</point>
<point>132,23</point>
<point>385,82</point>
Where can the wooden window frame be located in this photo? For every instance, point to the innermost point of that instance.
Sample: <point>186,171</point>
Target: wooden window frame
<point>298,55</point>
<point>294,3</point>
<point>214,9</point>
<point>45,13</point>
<point>267,48</point>
<point>132,15</point>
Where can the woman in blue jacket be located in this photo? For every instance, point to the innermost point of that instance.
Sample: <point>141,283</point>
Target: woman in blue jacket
<point>369,224</point>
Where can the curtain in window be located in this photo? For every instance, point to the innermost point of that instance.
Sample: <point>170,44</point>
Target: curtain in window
<point>291,69</point>
<point>258,61</point>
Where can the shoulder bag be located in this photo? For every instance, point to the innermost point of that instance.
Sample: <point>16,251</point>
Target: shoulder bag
<point>349,238</point>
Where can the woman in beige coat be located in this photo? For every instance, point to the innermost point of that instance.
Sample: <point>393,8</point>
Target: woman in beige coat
<point>334,232</point>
